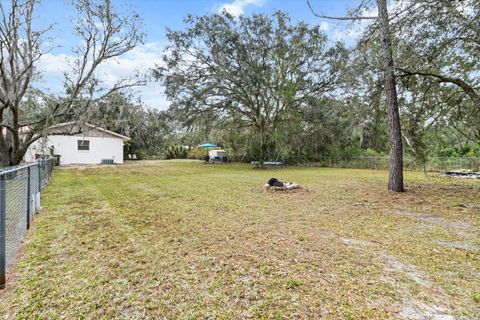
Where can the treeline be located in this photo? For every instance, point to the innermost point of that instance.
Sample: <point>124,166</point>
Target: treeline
<point>261,86</point>
<point>331,130</point>
<point>264,88</point>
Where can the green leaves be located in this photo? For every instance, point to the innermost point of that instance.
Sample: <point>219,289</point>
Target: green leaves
<point>257,69</point>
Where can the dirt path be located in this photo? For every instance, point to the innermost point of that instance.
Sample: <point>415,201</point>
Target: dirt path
<point>409,306</point>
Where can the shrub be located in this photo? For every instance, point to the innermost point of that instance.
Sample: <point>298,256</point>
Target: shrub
<point>474,151</point>
<point>197,153</point>
<point>448,152</point>
<point>372,153</point>
<point>175,152</point>
<point>141,154</point>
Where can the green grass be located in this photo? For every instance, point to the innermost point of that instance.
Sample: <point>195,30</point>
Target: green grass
<point>183,240</point>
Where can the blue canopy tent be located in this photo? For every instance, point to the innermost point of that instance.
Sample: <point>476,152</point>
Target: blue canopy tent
<point>206,159</point>
<point>214,156</point>
<point>207,145</point>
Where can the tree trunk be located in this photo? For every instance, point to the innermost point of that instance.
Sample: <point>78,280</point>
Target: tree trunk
<point>4,161</point>
<point>395,175</point>
<point>5,150</point>
<point>263,148</point>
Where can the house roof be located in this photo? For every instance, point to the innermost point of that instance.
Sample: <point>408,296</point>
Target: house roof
<point>25,129</point>
<point>73,123</point>
<point>21,130</point>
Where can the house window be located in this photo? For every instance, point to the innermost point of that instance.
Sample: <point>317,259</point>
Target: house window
<point>83,144</point>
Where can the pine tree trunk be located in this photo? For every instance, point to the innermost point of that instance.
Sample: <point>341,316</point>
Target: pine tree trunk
<point>395,175</point>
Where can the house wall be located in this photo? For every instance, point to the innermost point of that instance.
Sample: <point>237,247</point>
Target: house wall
<point>67,146</point>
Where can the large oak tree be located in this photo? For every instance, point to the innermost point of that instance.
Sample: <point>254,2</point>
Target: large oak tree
<point>258,68</point>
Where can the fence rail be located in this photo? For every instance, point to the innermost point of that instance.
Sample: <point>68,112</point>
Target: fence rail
<point>20,188</point>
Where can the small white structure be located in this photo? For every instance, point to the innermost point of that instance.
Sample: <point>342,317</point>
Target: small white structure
<point>217,155</point>
<point>94,145</point>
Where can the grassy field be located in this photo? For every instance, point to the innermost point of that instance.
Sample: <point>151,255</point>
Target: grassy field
<point>183,240</point>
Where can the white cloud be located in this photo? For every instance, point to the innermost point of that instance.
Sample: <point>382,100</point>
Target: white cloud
<point>353,31</point>
<point>237,7</point>
<point>139,60</point>
<point>324,26</point>
<point>51,64</point>
<point>350,33</point>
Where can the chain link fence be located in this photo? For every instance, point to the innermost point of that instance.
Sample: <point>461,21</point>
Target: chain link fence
<point>20,188</point>
<point>378,162</point>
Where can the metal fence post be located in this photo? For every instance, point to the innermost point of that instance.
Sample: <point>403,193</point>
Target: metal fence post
<point>29,209</point>
<point>37,196</point>
<point>3,247</point>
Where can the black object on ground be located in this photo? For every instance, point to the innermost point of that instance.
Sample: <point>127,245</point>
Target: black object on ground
<point>274,182</point>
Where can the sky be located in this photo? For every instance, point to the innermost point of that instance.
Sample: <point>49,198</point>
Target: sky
<point>158,15</point>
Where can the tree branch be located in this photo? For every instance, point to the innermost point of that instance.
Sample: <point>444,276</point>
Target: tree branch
<point>321,15</point>
<point>468,89</point>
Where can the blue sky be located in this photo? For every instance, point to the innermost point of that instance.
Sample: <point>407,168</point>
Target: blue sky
<point>157,16</point>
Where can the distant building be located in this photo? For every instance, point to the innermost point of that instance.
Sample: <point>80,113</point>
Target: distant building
<point>87,144</point>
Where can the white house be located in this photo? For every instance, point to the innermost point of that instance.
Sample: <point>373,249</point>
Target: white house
<point>94,145</point>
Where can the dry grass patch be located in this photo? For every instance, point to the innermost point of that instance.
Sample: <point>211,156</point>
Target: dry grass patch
<point>182,240</point>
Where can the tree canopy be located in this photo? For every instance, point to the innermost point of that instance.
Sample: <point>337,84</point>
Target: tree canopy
<point>258,70</point>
